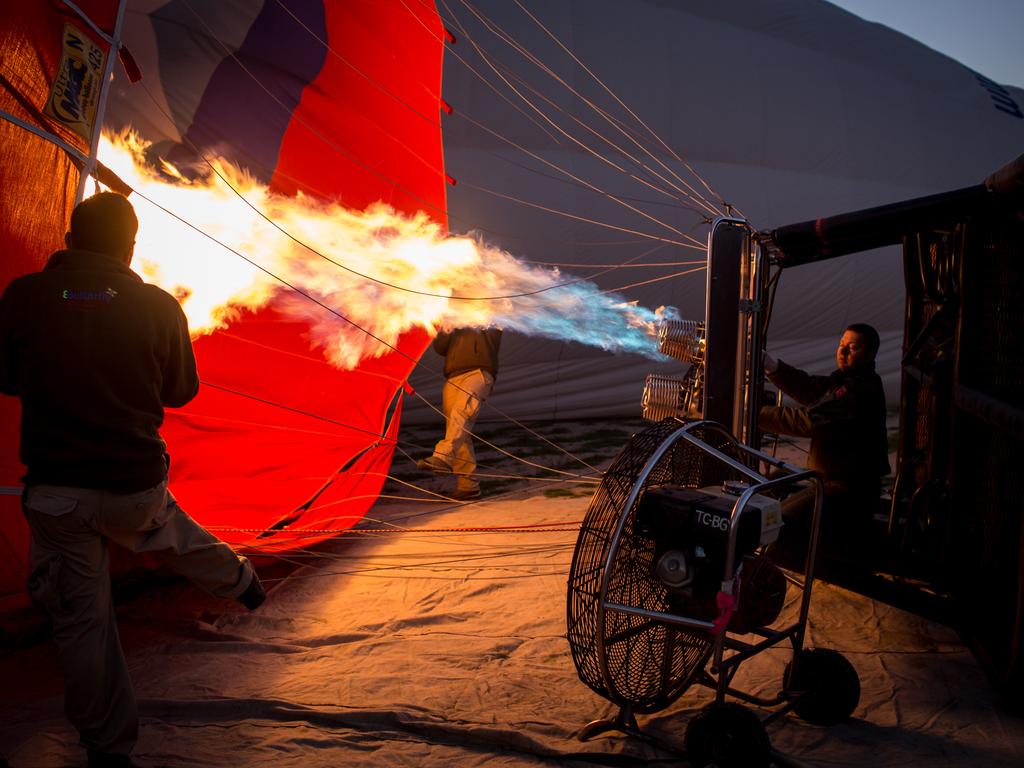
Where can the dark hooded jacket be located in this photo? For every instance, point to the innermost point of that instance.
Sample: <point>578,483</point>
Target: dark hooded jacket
<point>469,349</point>
<point>843,414</point>
<point>94,354</point>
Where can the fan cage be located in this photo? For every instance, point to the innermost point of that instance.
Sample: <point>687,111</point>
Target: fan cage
<point>649,663</point>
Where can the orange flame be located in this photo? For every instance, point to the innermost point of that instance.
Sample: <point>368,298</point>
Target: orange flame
<point>384,271</point>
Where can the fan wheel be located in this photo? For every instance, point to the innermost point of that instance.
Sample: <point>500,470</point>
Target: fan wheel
<point>633,660</point>
<point>727,735</point>
<point>826,685</point>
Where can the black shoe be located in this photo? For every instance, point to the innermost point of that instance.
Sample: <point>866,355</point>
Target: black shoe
<point>110,760</point>
<point>465,494</point>
<point>254,594</point>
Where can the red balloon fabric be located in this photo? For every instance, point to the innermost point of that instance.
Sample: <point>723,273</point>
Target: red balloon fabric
<point>279,444</point>
<point>334,100</point>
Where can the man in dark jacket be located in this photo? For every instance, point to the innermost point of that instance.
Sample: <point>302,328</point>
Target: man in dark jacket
<point>844,415</point>
<point>470,368</point>
<point>95,354</point>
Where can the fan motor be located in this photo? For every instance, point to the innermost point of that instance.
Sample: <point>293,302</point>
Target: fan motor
<point>689,528</point>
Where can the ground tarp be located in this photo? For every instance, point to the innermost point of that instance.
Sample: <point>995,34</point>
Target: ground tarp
<point>445,647</point>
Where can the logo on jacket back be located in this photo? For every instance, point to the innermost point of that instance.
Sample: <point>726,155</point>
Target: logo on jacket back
<point>76,88</point>
<point>80,300</point>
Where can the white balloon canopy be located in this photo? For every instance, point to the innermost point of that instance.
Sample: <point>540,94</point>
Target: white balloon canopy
<point>787,110</point>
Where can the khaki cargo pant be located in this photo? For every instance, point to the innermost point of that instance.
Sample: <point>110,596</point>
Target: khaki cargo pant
<point>69,579</point>
<point>461,399</point>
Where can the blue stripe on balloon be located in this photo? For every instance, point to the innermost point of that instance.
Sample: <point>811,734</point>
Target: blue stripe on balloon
<point>248,102</point>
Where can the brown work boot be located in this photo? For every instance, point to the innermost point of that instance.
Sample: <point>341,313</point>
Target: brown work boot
<point>435,464</point>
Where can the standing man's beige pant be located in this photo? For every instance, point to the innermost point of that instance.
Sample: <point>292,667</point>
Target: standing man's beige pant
<point>461,399</point>
<point>69,579</point>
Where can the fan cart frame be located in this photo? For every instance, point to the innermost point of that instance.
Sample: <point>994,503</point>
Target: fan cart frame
<point>727,651</point>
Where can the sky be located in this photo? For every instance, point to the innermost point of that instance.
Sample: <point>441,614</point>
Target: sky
<point>983,34</point>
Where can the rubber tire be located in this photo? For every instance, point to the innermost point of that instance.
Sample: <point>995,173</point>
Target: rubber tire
<point>831,684</point>
<point>727,735</point>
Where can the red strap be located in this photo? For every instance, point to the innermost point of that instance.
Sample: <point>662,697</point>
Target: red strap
<point>726,607</point>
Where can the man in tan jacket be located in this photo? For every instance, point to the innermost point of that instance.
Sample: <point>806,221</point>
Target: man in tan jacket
<point>470,368</point>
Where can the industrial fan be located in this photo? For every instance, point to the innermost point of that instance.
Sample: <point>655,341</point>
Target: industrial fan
<point>670,574</point>
<point>669,570</point>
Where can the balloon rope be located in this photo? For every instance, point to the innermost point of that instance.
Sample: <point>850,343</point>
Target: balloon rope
<point>321,303</point>
<point>450,52</point>
<point>306,560</point>
<point>365,75</point>
<point>286,538</point>
<point>454,563</point>
<point>611,93</point>
<point>453,53</point>
<point>450,539</point>
<point>344,152</point>
<point>576,217</point>
<point>680,199</point>
<point>560,130</point>
<point>657,279</point>
<point>579,180</point>
<point>623,265</point>
<point>532,528</point>
<point>399,443</point>
<point>298,118</point>
<point>213,166</point>
<point>364,330</point>
<point>511,456</point>
<point>494,68</point>
<point>691,193</point>
<point>696,204</point>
